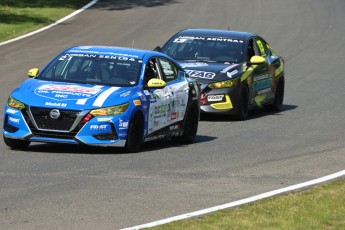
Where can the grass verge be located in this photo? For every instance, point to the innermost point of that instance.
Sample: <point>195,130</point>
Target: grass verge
<point>18,17</point>
<point>322,207</point>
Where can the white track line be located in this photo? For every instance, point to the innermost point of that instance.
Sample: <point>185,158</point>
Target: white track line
<point>51,25</point>
<point>239,202</point>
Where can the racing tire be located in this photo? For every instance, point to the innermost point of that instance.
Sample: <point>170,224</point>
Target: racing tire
<point>243,102</point>
<point>278,97</point>
<point>15,143</point>
<point>135,134</point>
<point>190,126</point>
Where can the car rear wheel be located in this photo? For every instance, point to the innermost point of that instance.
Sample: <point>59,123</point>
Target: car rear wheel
<point>278,97</point>
<point>242,111</point>
<point>135,134</point>
<point>15,143</point>
<point>190,126</point>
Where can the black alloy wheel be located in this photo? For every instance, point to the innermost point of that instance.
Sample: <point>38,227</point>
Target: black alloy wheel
<point>135,134</point>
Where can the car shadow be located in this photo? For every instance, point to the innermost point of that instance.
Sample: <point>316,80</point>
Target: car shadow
<point>253,114</point>
<point>157,145</point>
<point>85,149</point>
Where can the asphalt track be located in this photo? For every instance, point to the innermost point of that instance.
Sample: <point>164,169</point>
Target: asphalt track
<point>69,187</point>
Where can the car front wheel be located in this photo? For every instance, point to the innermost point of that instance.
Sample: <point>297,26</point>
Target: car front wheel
<point>15,143</point>
<point>135,134</point>
<point>279,96</point>
<point>242,111</point>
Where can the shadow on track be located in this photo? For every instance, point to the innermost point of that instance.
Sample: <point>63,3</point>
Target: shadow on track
<point>253,114</point>
<point>84,149</point>
<point>129,4</point>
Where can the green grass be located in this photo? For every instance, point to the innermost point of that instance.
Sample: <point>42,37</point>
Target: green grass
<point>18,17</point>
<point>322,207</point>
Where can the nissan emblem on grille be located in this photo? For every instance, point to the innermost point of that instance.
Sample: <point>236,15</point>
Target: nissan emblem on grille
<point>54,114</point>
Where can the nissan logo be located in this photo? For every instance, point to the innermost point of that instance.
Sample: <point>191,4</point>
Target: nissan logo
<point>54,114</point>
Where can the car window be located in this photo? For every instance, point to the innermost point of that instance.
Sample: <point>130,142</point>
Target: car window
<point>169,70</point>
<point>213,49</point>
<point>93,69</point>
<point>151,70</point>
<point>262,46</point>
<point>252,49</point>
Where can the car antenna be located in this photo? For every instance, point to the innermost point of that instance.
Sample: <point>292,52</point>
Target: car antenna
<point>132,43</point>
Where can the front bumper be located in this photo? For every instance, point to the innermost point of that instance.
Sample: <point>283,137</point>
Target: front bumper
<point>38,127</point>
<point>220,101</point>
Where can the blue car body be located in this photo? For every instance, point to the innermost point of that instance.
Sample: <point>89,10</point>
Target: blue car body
<point>72,101</point>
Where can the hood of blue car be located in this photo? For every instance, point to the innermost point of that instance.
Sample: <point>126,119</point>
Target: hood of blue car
<point>207,72</point>
<point>34,92</point>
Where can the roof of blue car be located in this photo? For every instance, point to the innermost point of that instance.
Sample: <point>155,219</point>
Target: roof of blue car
<point>216,33</point>
<point>109,50</point>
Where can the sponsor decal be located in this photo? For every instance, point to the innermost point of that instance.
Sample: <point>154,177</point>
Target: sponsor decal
<point>123,124</point>
<point>215,97</point>
<point>11,111</point>
<point>263,84</point>
<point>174,115</point>
<point>98,127</point>
<point>104,119</point>
<point>13,120</point>
<point>261,77</point>
<point>174,127</point>
<point>200,74</point>
<point>66,92</point>
<point>183,39</point>
<point>268,90</point>
<point>125,94</point>
<point>231,74</point>
<point>55,104</point>
<point>228,68</point>
<point>196,64</point>
<point>137,102</point>
<point>157,137</point>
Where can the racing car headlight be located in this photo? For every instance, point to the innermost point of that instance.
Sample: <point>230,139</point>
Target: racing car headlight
<point>224,84</point>
<point>110,111</point>
<point>13,103</point>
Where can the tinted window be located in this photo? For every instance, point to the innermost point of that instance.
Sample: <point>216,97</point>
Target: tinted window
<point>217,49</point>
<point>94,69</point>
<point>262,46</point>
<point>168,70</point>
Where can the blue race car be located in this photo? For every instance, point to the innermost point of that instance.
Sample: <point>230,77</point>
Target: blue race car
<point>103,96</point>
<point>238,71</point>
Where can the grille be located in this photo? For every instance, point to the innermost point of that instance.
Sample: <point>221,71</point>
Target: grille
<point>44,121</point>
<point>50,134</point>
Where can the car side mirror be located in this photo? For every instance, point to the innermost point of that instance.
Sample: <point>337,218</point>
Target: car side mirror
<point>257,60</point>
<point>32,73</point>
<point>156,83</point>
<point>158,49</point>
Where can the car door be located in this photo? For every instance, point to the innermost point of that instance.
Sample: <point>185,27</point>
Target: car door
<point>176,90</point>
<point>261,78</point>
<point>157,114</point>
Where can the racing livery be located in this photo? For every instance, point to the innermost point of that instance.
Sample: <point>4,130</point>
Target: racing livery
<point>104,96</point>
<point>238,71</point>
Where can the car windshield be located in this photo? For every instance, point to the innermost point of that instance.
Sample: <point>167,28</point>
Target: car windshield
<point>93,69</point>
<point>209,49</point>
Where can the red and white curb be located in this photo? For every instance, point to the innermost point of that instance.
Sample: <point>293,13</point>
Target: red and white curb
<point>239,202</point>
